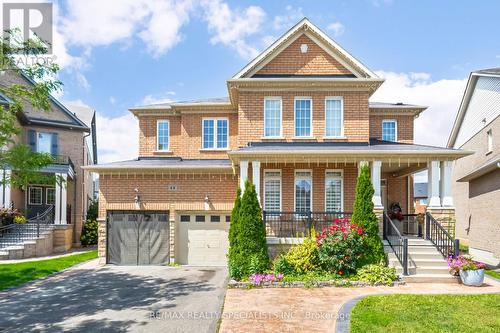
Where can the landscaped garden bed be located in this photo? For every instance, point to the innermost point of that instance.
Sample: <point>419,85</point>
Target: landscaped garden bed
<point>308,284</point>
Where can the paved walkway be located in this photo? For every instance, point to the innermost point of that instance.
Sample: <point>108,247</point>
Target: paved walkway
<point>314,310</point>
<point>52,256</point>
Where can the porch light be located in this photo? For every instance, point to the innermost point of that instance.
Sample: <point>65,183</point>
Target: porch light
<point>207,202</point>
<point>137,199</point>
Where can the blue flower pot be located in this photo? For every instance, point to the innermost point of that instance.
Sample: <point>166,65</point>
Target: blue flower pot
<point>472,277</point>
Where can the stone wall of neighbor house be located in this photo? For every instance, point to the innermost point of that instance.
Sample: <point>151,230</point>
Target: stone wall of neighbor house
<point>185,135</point>
<point>63,237</point>
<point>251,115</point>
<point>476,202</point>
<point>404,125</point>
<point>315,61</point>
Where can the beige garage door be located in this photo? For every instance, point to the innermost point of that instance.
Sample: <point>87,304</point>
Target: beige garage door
<point>203,239</point>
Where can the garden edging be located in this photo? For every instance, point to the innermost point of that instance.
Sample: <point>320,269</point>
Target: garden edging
<point>307,284</point>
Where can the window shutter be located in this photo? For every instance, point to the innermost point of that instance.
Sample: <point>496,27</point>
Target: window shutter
<point>55,147</point>
<point>32,139</point>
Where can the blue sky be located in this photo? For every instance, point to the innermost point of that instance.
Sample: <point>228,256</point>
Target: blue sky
<point>117,54</point>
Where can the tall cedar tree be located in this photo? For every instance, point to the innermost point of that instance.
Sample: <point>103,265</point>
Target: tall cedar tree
<point>364,216</point>
<point>251,232</point>
<point>233,227</point>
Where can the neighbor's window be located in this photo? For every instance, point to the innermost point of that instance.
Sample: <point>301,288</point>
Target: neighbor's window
<point>35,196</point>
<point>334,114</point>
<point>272,190</point>
<point>333,191</point>
<point>303,117</point>
<point>50,196</point>
<point>490,141</point>
<point>163,131</point>
<point>45,142</point>
<point>303,190</point>
<point>215,133</point>
<point>272,117</point>
<point>389,130</point>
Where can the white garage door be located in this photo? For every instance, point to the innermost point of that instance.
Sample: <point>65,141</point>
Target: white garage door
<point>203,239</point>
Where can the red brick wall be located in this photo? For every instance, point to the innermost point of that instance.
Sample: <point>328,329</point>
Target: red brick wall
<point>404,126</point>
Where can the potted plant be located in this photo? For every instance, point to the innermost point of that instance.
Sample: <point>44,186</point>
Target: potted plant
<point>471,272</point>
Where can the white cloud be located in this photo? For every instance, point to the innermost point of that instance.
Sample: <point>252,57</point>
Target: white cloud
<point>157,98</point>
<point>117,137</point>
<point>443,97</point>
<point>378,3</point>
<point>231,27</point>
<point>291,16</point>
<point>337,28</point>
<point>112,100</point>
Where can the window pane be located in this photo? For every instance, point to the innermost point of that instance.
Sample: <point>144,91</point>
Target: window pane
<point>44,144</point>
<point>185,218</point>
<point>208,133</point>
<point>222,133</point>
<point>214,218</point>
<point>389,130</point>
<point>163,133</point>
<point>272,191</point>
<point>272,114</point>
<point>200,218</point>
<point>302,117</point>
<point>51,196</point>
<point>303,185</point>
<point>333,117</point>
<point>333,191</point>
<point>35,196</point>
<point>228,218</point>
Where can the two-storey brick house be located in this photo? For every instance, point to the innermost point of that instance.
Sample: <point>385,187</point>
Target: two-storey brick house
<point>297,122</point>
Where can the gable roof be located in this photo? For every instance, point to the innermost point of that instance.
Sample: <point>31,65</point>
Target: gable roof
<point>469,91</point>
<point>318,36</point>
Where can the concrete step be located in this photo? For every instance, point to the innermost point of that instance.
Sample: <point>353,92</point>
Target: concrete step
<point>430,262</point>
<point>425,255</point>
<point>431,278</point>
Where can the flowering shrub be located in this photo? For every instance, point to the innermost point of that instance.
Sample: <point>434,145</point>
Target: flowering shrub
<point>464,263</point>
<point>258,279</point>
<point>340,247</point>
<point>7,215</point>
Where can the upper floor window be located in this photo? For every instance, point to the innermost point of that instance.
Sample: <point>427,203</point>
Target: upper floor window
<point>163,131</point>
<point>272,117</point>
<point>43,142</point>
<point>215,133</point>
<point>333,191</point>
<point>389,130</point>
<point>334,115</point>
<point>490,141</point>
<point>303,117</point>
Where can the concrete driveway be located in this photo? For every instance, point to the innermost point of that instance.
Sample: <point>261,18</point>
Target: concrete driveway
<point>118,299</point>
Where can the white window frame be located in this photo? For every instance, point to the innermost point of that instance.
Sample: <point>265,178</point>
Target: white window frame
<point>281,185</point>
<point>47,195</point>
<point>341,186</point>
<point>158,136</point>
<point>280,135</point>
<point>38,141</point>
<point>395,128</point>
<point>341,99</point>
<point>299,98</point>
<point>29,196</point>
<point>215,133</point>
<point>489,138</point>
<point>295,188</point>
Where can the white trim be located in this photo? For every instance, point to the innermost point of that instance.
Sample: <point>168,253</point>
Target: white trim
<point>341,99</point>
<point>46,195</point>
<point>489,141</point>
<point>29,196</point>
<point>215,133</point>
<point>341,186</point>
<point>395,128</point>
<point>158,137</point>
<point>295,189</point>
<point>311,135</point>
<point>273,98</point>
<point>281,186</point>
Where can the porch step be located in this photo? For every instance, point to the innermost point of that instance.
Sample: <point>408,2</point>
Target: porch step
<point>431,278</point>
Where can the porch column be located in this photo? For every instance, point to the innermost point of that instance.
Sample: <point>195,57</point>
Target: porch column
<point>243,175</point>
<point>61,198</point>
<point>377,196</point>
<point>446,197</point>
<point>5,197</point>
<point>57,205</point>
<point>256,177</point>
<point>433,184</point>
<point>64,198</point>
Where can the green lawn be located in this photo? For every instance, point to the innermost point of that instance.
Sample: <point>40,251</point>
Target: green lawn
<point>493,273</point>
<point>427,313</point>
<point>12,275</point>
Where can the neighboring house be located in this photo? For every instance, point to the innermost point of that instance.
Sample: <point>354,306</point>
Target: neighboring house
<point>476,178</point>
<point>297,123</point>
<point>420,197</point>
<point>62,134</point>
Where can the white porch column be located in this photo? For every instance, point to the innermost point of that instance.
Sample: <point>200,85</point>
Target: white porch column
<point>376,176</point>
<point>64,198</point>
<point>57,206</point>
<point>243,175</point>
<point>5,197</point>
<point>433,184</point>
<point>446,197</point>
<point>256,177</point>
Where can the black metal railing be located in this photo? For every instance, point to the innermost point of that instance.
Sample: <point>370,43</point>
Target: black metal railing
<point>299,223</point>
<point>440,237</point>
<point>16,233</point>
<point>397,242</point>
<point>63,160</point>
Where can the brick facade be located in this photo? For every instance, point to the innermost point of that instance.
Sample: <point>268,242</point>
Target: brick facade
<point>405,126</point>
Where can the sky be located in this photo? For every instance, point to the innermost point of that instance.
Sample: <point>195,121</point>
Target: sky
<point>123,53</point>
